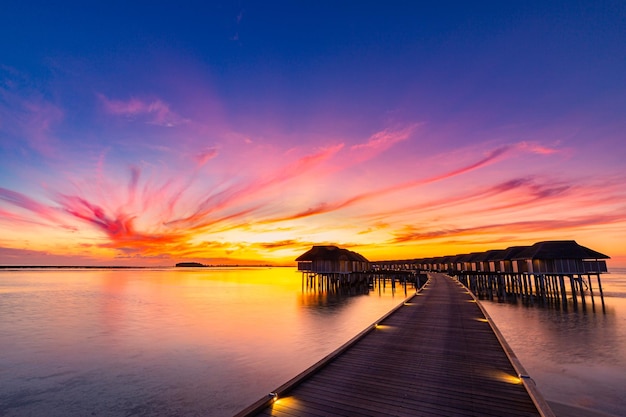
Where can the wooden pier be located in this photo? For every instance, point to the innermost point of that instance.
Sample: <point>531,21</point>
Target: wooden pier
<point>555,273</point>
<point>437,354</point>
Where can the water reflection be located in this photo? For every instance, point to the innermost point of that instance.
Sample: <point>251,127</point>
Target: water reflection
<point>576,357</point>
<point>164,342</point>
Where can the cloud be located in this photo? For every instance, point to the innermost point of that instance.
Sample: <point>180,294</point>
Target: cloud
<point>27,115</point>
<point>528,191</point>
<point>384,139</point>
<point>30,257</point>
<point>537,148</point>
<point>155,111</point>
<point>548,226</point>
<point>326,207</point>
<point>241,193</point>
<point>379,142</point>
<point>20,200</point>
<point>281,244</point>
<point>116,226</point>
<point>205,155</point>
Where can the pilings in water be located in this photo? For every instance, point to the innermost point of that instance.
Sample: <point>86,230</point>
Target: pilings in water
<point>333,281</point>
<point>555,290</point>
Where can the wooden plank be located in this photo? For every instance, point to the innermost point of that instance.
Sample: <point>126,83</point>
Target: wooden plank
<point>435,355</point>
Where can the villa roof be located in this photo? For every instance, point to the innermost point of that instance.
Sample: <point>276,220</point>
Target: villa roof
<point>509,253</point>
<point>330,253</point>
<point>559,249</point>
<point>487,256</point>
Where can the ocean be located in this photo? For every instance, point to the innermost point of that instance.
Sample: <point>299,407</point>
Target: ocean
<point>165,342</point>
<point>577,358</point>
<point>209,342</point>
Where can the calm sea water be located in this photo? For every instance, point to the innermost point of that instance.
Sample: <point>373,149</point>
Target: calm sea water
<point>210,342</point>
<point>193,342</point>
<point>575,357</point>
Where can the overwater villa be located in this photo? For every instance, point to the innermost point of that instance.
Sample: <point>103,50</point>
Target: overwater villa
<point>536,272</point>
<point>332,260</point>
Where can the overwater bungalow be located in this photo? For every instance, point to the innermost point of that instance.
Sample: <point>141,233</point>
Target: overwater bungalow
<point>537,272</point>
<point>331,260</point>
<point>503,261</point>
<point>561,257</point>
<point>330,267</point>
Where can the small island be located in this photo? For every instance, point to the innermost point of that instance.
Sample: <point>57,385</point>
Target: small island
<point>189,264</point>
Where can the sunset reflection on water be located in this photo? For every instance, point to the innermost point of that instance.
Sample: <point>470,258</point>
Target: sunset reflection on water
<point>165,341</point>
<point>576,357</point>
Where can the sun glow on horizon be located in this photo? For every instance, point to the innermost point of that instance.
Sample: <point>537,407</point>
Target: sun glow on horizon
<point>250,149</point>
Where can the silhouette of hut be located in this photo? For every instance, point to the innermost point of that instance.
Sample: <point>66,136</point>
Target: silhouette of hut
<point>331,260</point>
<point>485,260</point>
<point>561,257</point>
<point>503,261</point>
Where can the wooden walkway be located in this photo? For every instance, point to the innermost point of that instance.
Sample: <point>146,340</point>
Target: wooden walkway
<point>436,355</point>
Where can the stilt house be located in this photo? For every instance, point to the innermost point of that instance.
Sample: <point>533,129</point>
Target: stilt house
<point>561,257</point>
<point>331,260</point>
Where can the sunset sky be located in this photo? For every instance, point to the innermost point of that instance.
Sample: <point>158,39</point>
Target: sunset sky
<point>139,133</point>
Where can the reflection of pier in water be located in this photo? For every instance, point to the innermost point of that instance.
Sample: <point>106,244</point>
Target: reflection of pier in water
<point>435,354</point>
<point>362,282</point>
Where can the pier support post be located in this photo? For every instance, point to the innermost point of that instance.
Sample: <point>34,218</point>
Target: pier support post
<point>574,298</point>
<point>601,294</point>
<point>582,291</point>
<point>563,293</point>
<point>593,302</point>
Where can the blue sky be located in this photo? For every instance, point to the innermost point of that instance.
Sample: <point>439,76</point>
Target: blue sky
<point>149,132</point>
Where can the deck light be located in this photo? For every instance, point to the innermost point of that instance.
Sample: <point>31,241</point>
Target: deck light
<point>506,377</point>
<point>273,396</point>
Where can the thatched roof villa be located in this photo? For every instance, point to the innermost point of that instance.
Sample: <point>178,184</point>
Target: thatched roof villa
<point>331,260</point>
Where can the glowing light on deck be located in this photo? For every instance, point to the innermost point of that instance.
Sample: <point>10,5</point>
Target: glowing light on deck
<point>505,377</point>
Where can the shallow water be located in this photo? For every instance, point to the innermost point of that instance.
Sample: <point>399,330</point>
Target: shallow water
<point>209,342</point>
<point>575,357</point>
<point>205,342</point>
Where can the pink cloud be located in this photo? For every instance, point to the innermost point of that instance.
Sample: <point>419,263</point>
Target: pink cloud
<point>380,142</point>
<point>325,207</point>
<point>156,111</point>
<point>204,156</point>
<point>248,191</point>
<point>520,227</point>
<point>116,226</point>
<point>386,138</point>
<point>537,148</point>
<point>20,200</point>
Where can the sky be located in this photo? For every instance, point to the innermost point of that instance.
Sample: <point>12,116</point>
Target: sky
<point>241,132</point>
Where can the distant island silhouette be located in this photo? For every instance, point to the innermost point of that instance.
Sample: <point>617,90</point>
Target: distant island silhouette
<point>71,267</point>
<point>199,265</point>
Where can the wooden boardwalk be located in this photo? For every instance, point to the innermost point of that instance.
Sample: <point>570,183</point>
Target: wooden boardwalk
<point>436,355</point>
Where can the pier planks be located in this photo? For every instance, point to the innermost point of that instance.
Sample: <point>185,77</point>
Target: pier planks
<point>435,356</point>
